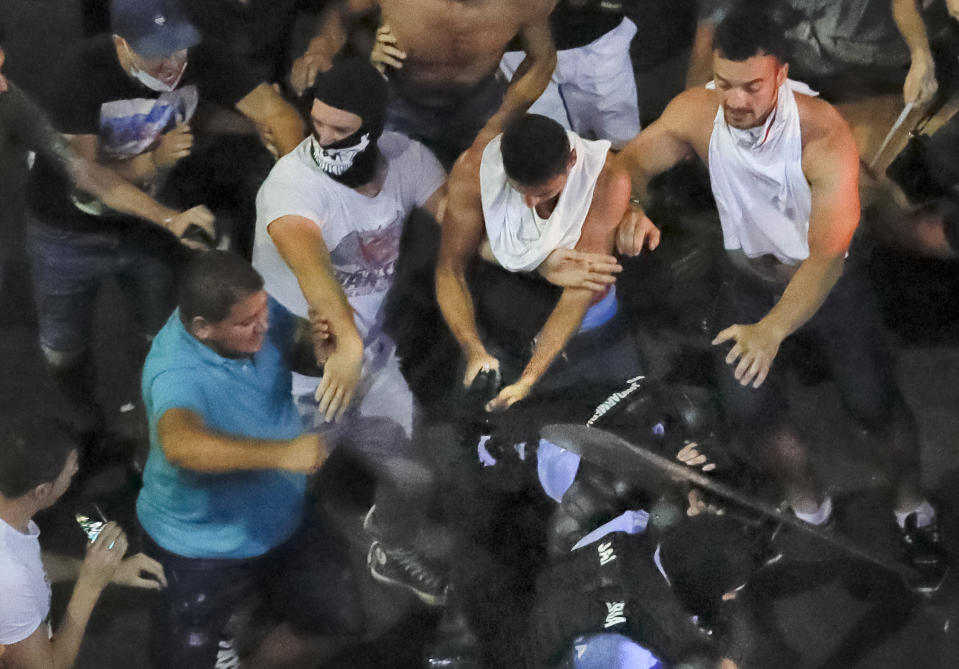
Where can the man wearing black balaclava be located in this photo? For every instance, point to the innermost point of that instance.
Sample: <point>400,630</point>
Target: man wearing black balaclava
<point>350,88</point>
<point>329,219</point>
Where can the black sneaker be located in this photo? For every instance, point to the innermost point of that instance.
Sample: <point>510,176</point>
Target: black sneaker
<point>922,550</point>
<point>406,569</point>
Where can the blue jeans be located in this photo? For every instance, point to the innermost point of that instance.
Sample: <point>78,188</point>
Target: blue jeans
<point>68,267</point>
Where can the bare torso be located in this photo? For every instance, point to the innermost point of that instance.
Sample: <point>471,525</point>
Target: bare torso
<point>452,45</point>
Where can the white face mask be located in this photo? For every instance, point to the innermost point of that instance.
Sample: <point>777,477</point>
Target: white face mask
<point>167,83</point>
<point>337,161</point>
<point>155,84</point>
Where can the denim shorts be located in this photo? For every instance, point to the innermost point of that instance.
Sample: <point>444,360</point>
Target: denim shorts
<point>69,265</point>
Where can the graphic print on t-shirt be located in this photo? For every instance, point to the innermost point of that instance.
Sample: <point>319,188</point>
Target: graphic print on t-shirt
<point>130,127</point>
<point>364,261</point>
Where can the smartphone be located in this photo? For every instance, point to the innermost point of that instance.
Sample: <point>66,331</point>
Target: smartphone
<point>91,520</point>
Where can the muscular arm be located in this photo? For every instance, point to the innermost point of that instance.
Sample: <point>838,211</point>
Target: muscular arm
<point>462,234</point>
<point>300,243</point>
<point>330,37</point>
<point>610,200</point>
<point>531,77</point>
<point>435,206</point>
<point>664,143</point>
<point>657,148</point>
<point>138,169</point>
<point>277,121</point>
<point>121,195</point>
<point>831,165</point>
<point>187,442</point>
<point>920,84</point>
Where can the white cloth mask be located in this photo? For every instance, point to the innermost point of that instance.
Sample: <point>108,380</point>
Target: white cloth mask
<point>159,85</point>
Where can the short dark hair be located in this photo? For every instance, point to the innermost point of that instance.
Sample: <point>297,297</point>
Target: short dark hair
<point>33,451</point>
<point>749,30</point>
<point>214,281</point>
<point>3,35</point>
<point>535,149</point>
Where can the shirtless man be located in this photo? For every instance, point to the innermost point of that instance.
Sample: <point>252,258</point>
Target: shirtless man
<point>535,174</point>
<point>443,57</point>
<point>784,170</point>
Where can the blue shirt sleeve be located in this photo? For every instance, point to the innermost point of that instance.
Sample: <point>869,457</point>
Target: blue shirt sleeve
<point>175,389</point>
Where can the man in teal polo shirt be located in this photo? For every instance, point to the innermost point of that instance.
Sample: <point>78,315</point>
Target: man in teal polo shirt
<point>222,504</point>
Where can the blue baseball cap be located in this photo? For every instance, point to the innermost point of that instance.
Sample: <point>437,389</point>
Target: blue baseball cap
<point>153,28</point>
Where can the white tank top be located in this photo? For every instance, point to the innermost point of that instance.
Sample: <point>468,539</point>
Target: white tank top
<point>757,180</point>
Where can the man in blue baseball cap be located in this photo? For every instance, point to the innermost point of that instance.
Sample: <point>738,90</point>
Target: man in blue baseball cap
<point>121,101</point>
<point>153,38</point>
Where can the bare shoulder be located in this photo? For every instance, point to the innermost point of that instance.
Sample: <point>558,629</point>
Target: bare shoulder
<point>826,137</point>
<point>694,104</point>
<point>690,114</point>
<point>823,127</point>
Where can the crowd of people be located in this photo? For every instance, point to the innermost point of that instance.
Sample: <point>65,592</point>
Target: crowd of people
<point>396,236</point>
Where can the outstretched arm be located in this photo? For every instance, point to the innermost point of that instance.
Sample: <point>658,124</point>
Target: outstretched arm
<point>187,442</point>
<point>462,233</point>
<point>531,77</point>
<point>657,148</point>
<point>831,164</point>
<point>610,199</point>
<point>920,84</point>
<point>300,242</point>
<point>329,39</point>
<point>121,195</point>
<point>277,121</point>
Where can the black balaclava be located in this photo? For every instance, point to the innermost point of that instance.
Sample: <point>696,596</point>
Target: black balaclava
<point>355,86</point>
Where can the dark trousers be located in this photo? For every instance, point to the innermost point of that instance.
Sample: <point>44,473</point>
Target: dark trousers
<point>307,581</point>
<point>846,332</point>
<point>448,130</point>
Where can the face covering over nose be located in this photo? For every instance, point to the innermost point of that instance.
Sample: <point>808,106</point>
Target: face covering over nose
<point>166,79</point>
<point>355,86</point>
<point>340,157</point>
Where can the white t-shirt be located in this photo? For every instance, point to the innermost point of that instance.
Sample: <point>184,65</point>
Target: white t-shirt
<point>23,584</point>
<point>362,233</point>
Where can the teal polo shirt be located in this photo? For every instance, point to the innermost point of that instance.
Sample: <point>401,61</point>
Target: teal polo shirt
<point>227,515</point>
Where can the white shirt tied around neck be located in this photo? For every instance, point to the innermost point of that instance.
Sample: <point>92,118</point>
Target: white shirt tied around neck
<point>762,195</point>
<point>519,238</point>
